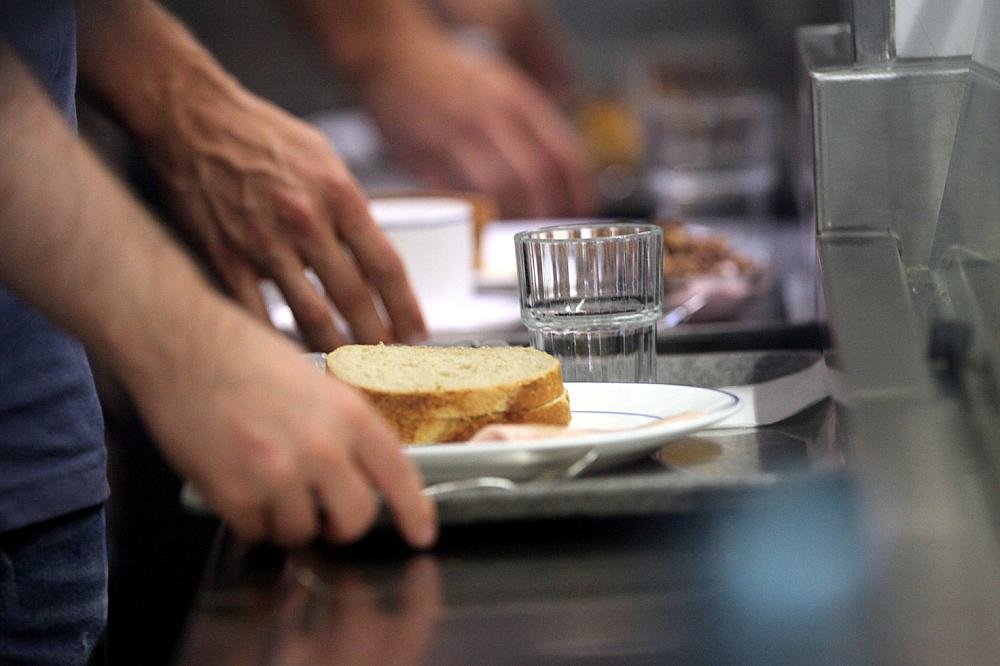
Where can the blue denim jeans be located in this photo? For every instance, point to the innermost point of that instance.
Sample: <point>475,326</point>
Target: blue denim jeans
<point>53,589</point>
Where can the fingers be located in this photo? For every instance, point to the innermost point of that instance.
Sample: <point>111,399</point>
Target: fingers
<point>317,470</point>
<point>530,177</point>
<point>292,518</point>
<point>349,292</point>
<point>242,281</point>
<point>398,481</point>
<point>375,461</point>
<point>348,278</point>
<point>312,314</point>
<point>248,519</point>
<point>524,154</point>
<point>566,152</point>
<point>525,179</point>
<point>348,504</point>
<point>384,270</point>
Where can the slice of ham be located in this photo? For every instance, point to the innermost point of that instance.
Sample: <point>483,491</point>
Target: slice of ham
<point>509,432</point>
<point>504,432</point>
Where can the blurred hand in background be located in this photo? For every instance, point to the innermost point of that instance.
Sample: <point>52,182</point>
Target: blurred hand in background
<point>525,32</point>
<point>454,116</point>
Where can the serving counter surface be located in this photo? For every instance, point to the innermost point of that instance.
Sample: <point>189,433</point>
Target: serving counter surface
<point>719,548</point>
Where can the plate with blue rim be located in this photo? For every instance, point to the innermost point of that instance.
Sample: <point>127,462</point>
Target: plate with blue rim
<point>621,422</point>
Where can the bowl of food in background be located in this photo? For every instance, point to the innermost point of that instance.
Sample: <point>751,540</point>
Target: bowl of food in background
<point>708,276</point>
<point>705,277</point>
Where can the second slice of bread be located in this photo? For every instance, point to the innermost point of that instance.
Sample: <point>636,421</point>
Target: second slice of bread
<point>433,431</point>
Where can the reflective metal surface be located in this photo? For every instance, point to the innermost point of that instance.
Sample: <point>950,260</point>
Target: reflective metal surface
<point>970,212</point>
<point>883,137</point>
<point>879,340</point>
<point>918,395</point>
<point>635,592</point>
<point>874,36</point>
<point>966,252</point>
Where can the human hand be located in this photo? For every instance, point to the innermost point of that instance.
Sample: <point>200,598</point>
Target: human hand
<point>263,195</point>
<point>527,34</point>
<point>462,120</point>
<point>278,450</point>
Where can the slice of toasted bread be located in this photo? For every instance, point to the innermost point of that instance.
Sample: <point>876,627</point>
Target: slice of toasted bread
<point>435,383</point>
<point>431,431</point>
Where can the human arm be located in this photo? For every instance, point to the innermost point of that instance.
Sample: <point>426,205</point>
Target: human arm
<point>262,193</point>
<point>232,404</point>
<point>526,33</point>
<point>455,118</point>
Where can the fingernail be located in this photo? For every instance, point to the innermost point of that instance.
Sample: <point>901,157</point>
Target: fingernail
<point>416,338</point>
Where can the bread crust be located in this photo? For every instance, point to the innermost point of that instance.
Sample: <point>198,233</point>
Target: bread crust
<point>464,403</point>
<point>433,431</point>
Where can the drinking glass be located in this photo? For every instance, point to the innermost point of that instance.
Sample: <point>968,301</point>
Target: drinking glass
<point>591,295</point>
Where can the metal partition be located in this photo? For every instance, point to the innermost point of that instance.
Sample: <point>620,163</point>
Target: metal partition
<point>914,310</point>
<point>970,211</point>
<point>873,30</point>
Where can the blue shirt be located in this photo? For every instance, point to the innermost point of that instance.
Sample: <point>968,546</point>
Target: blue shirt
<point>52,457</point>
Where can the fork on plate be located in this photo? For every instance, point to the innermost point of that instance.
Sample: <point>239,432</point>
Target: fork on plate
<point>565,469</point>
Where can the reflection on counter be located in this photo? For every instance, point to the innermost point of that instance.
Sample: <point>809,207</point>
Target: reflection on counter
<point>775,582</point>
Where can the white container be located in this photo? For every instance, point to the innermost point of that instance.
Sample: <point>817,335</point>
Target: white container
<point>434,238</point>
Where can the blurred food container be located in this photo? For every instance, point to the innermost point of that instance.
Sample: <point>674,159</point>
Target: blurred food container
<point>707,276</point>
<point>484,210</point>
<point>433,236</point>
<point>611,131</point>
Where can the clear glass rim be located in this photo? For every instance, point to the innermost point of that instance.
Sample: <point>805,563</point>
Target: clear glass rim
<point>629,230</point>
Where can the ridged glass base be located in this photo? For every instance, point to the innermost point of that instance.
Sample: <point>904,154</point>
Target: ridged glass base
<point>620,354</point>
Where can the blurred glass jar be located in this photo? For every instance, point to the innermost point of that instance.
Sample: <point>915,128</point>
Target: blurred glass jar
<point>712,153</point>
<point>711,131</point>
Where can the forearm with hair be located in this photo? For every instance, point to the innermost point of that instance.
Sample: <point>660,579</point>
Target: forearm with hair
<point>78,247</point>
<point>141,61</point>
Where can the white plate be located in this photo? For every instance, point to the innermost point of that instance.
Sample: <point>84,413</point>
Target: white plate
<point>628,415</point>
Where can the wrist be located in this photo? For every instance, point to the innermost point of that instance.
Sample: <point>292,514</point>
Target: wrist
<point>174,97</point>
<point>365,52</point>
<point>144,65</point>
<point>156,332</point>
